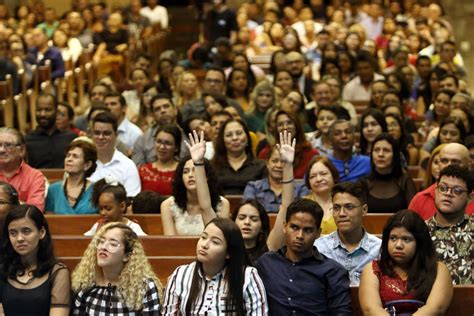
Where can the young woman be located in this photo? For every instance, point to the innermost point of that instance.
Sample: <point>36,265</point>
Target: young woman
<point>32,281</point>
<point>70,47</point>
<point>405,141</point>
<point>145,118</point>
<point>213,103</point>
<point>321,176</point>
<point>238,88</point>
<point>284,83</point>
<point>389,189</point>
<point>158,176</point>
<point>220,280</point>
<point>74,194</point>
<point>372,124</point>
<point>408,269</point>
<point>110,198</point>
<point>433,168</point>
<point>187,89</point>
<point>234,161</point>
<point>262,99</point>
<point>138,79</point>
<point>195,200</point>
<point>115,277</point>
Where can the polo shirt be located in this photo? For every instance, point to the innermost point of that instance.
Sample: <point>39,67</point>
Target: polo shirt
<point>48,151</point>
<point>354,90</point>
<point>354,261</point>
<point>29,183</point>
<point>423,203</point>
<point>357,167</point>
<point>122,169</point>
<point>315,285</point>
<point>128,133</point>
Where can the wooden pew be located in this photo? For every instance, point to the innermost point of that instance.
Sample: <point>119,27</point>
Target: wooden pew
<point>6,101</point>
<point>413,171</point>
<point>53,175</point>
<point>74,246</point>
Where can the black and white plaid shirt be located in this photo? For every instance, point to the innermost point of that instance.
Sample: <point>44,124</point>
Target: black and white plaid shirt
<point>104,301</point>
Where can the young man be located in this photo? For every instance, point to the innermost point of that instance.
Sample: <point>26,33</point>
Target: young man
<point>350,245</point>
<point>111,162</point>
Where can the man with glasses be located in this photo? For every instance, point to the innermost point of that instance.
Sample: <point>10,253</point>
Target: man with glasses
<point>423,202</point>
<point>350,245</point>
<point>165,113</point>
<point>29,182</point>
<point>110,161</point>
<point>451,229</point>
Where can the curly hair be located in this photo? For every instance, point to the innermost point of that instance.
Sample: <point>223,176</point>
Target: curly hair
<point>132,278</point>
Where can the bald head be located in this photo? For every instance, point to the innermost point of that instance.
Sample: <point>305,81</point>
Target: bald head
<point>453,153</point>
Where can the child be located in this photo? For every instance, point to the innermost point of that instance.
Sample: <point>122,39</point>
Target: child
<point>110,198</point>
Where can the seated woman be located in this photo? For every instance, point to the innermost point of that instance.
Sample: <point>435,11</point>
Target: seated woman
<point>110,197</point>
<point>263,98</point>
<point>408,269</point>
<point>285,121</point>
<point>389,189</point>
<point>268,191</point>
<point>405,141</point>
<point>283,82</point>
<point>234,161</point>
<point>238,88</point>
<point>320,177</point>
<point>114,276</point>
<point>372,124</point>
<point>74,194</point>
<point>220,281</point>
<point>441,110</point>
<point>187,89</point>
<point>145,118</point>
<point>195,200</point>
<point>32,281</point>
<point>433,168</point>
<point>158,176</point>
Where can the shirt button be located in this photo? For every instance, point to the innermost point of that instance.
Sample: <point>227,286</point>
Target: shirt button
<point>291,280</point>
<point>289,298</point>
<point>294,312</point>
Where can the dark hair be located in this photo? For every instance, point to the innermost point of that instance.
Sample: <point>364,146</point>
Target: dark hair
<point>12,193</point>
<point>365,57</point>
<point>305,206</point>
<point>340,112</point>
<point>448,75</point>
<point>70,110</point>
<point>356,189</point>
<point>420,58</point>
<point>273,69</point>
<point>90,154</point>
<point>379,117</point>
<point>191,118</point>
<point>262,213</point>
<point>147,202</point>
<point>339,122</point>
<point>220,156</point>
<point>230,90</point>
<point>423,267</point>
<point>106,118</point>
<point>180,191</point>
<point>95,108</point>
<point>116,188</point>
<point>280,71</point>
<point>459,125</point>
<point>326,162</point>
<point>160,96</point>
<point>449,93</point>
<point>219,98</point>
<point>147,75</point>
<point>10,262</point>
<point>404,140</point>
<point>235,268</point>
<point>396,164</point>
<point>115,94</point>
<point>458,172</point>
<point>252,80</point>
<point>44,95</point>
<point>100,84</point>
<point>174,131</point>
<point>349,56</point>
<point>218,69</point>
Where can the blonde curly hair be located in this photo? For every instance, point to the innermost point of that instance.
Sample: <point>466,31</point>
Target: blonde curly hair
<point>133,276</point>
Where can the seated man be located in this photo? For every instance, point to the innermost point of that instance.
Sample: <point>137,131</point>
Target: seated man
<point>29,182</point>
<point>451,229</point>
<point>423,202</point>
<point>351,167</point>
<point>297,278</point>
<point>42,52</point>
<point>350,244</point>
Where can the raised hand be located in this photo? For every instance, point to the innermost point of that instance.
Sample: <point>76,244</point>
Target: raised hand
<point>287,147</point>
<point>197,146</point>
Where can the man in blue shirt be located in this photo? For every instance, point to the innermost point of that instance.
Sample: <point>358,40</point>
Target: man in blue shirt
<point>350,244</point>
<point>298,279</point>
<point>351,167</point>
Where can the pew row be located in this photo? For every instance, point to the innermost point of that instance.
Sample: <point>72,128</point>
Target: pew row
<point>151,223</point>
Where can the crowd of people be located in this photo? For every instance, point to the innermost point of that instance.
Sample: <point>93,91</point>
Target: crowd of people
<point>354,95</point>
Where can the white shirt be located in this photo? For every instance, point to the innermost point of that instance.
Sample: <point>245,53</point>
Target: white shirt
<point>134,226</point>
<point>128,133</point>
<point>158,15</point>
<point>122,169</point>
<point>354,90</point>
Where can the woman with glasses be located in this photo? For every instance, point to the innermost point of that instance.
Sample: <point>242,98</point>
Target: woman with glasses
<point>158,176</point>
<point>114,276</point>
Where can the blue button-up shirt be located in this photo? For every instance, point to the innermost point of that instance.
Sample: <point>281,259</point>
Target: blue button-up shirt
<point>315,285</point>
<point>357,167</point>
<point>354,261</point>
<point>263,193</point>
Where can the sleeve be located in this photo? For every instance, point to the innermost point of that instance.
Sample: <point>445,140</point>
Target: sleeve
<point>61,289</point>
<point>57,66</point>
<point>250,191</point>
<point>255,298</point>
<point>138,155</point>
<point>164,18</point>
<point>339,291</point>
<point>36,194</point>
<point>132,182</point>
<point>172,301</point>
<point>151,302</point>
<point>91,231</point>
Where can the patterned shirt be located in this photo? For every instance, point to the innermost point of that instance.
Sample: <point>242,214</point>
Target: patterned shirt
<point>105,300</point>
<point>454,247</point>
<point>212,294</point>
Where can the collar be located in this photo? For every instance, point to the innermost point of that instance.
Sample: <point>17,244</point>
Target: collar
<point>336,242</point>
<point>218,276</point>
<point>315,255</point>
<point>17,171</point>
<point>461,222</point>
<point>115,157</point>
<point>123,125</point>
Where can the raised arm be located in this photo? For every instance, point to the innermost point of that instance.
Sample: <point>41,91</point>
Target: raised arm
<point>276,238</point>
<point>197,149</point>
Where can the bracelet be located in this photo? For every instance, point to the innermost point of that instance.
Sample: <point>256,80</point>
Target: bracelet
<point>287,181</point>
<point>198,164</point>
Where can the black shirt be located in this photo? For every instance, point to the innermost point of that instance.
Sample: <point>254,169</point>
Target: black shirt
<point>220,24</point>
<point>234,182</point>
<point>112,40</point>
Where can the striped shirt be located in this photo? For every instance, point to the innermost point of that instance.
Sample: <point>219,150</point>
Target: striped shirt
<point>213,293</point>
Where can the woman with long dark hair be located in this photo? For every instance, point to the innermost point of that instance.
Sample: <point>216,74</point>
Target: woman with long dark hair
<point>372,124</point>
<point>408,269</point>
<point>220,281</point>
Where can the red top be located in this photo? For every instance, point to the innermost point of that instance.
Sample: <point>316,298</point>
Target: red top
<point>298,171</point>
<point>423,203</point>
<point>153,179</point>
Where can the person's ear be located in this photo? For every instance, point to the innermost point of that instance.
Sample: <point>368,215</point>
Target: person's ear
<point>123,206</point>
<point>87,165</point>
<point>42,232</point>
<point>365,209</point>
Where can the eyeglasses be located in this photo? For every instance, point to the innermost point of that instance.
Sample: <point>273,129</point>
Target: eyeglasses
<point>336,208</point>
<point>102,133</point>
<point>9,146</point>
<point>109,245</point>
<point>457,191</point>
